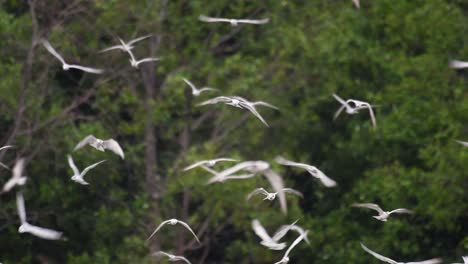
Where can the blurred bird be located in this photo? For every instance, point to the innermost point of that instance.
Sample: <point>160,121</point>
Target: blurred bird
<point>66,66</point>
<point>17,178</point>
<point>465,260</point>
<point>284,229</point>
<point>2,148</point>
<point>101,145</point>
<point>209,163</point>
<point>171,257</point>
<point>457,64</point>
<point>25,227</point>
<point>77,175</point>
<point>464,143</point>
<point>326,181</point>
<point>135,62</point>
<point>233,22</point>
<point>383,215</point>
<point>353,107</point>
<point>271,196</point>
<point>173,221</point>
<point>267,241</point>
<point>126,46</point>
<point>391,261</point>
<point>356,3</point>
<point>215,178</point>
<point>195,91</point>
<point>285,258</point>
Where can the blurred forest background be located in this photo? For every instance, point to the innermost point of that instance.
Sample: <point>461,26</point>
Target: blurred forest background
<point>391,53</point>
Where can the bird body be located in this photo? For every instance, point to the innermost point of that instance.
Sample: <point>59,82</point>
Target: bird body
<point>101,145</point>
<point>195,91</point>
<point>272,195</point>
<point>383,215</point>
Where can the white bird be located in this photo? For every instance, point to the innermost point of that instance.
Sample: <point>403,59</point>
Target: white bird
<point>350,109</point>
<point>101,145</point>
<point>239,102</point>
<point>326,181</point>
<point>66,66</point>
<point>77,175</point>
<point>457,64</point>
<point>391,261</point>
<point>215,178</point>
<point>233,22</point>
<point>171,257</point>
<point>2,148</point>
<point>272,195</point>
<point>284,229</point>
<point>267,240</point>
<point>173,221</point>
<point>17,178</point>
<point>209,163</point>
<point>356,3</point>
<point>465,260</point>
<point>25,227</point>
<point>135,62</point>
<point>285,258</point>
<point>126,46</point>
<point>383,215</point>
<point>464,143</point>
<point>195,91</point>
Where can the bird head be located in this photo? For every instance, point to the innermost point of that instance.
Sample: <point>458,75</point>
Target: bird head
<point>78,179</point>
<point>173,221</point>
<point>22,228</point>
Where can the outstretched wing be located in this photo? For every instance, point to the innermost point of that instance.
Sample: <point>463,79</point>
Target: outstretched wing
<point>372,115</point>
<point>277,183</point>
<point>72,165</point>
<point>260,231</point>
<point>86,141</point>
<point>120,47</point>
<point>189,83</point>
<point>254,21</point>
<point>326,181</point>
<point>356,3</point>
<point>216,100</point>
<point>21,207</point>
<point>157,229</point>
<point>190,229</point>
<point>52,51</point>
<point>7,147</point>
<point>196,164</point>
<point>262,103</point>
<point>369,206</point>
<point>44,233</point>
<point>292,191</point>
<point>114,146</point>
<point>205,89</point>
<point>212,19</point>
<point>378,256</point>
<point>282,231</point>
<point>464,143</point>
<point>147,60</point>
<point>430,261</point>
<point>159,253</point>
<point>257,191</point>
<point>91,167</point>
<point>457,64</point>
<point>18,169</point>
<point>401,211</point>
<point>176,258</point>
<point>253,110</point>
<point>86,69</point>
<point>133,41</point>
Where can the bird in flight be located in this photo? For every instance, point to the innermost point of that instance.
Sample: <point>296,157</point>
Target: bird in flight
<point>216,178</point>
<point>195,91</point>
<point>353,107</point>
<point>383,215</point>
<point>126,46</point>
<point>17,178</point>
<point>465,260</point>
<point>134,62</point>
<point>272,195</point>
<point>101,145</point>
<point>273,242</point>
<point>171,257</point>
<point>326,181</point>
<point>25,227</point>
<point>77,175</point>
<point>285,258</point>
<point>66,66</point>
<point>464,143</point>
<point>457,64</point>
<point>2,148</point>
<point>173,221</point>
<point>391,261</point>
<point>233,22</point>
<point>209,163</point>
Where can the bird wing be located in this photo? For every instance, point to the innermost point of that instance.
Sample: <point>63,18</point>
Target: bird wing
<point>253,110</point>
<point>282,231</point>
<point>212,19</point>
<point>205,89</point>
<point>190,229</point>
<point>52,51</point>
<point>260,231</point>
<point>194,89</point>
<point>378,256</point>
<point>298,239</point>
<point>465,259</point>
<point>277,183</point>
<point>401,211</point>
<point>18,169</point>
<point>7,147</point>
<point>21,207</point>
<point>208,169</point>
<point>326,181</point>
<point>464,143</point>
<point>194,165</point>
<point>216,100</point>
<point>157,229</point>
<point>239,177</point>
<point>257,191</point>
<point>4,166</point>
<point>120,47</point>
<point>223,159</point>
<point>86,69</point>
<point>233,169</point>
<point>262,103</point>
<point>91,167</point>
<point>44,233</point>
<point>369,205</point>
<point>133,41</point>
<point>430,261</point>
<point>86,141</point>
<point>162,253</point>
<point>292,191</point>
<point>372,115</point>
<point>458,64</point>
<point>72,165</point>
<point>176,258</point>
<point>147,60</point>
<point>113,146</point>
<point>253,21</point>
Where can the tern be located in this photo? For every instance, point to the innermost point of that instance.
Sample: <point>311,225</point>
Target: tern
<point>271,196</point>
<point>216,178</point>
<point>383,215</point>
<point>285,258</point>
<point>25,227</point>
<point>284,229</point>
<point>391,261</point>
<point>126,46</point>
<point>135,62</point>
<point>465,260</point>
<point>173,221</point>
<point>457,64</point>
<point>77,175</point>
<point>267,240</point>
<point>2,148</point>
<point>326,181</point>
<point>233,22</point>
<point>464,143</point>
<point>101,145</point>
<point>240,102</point>
<point>66,66</point>
<point>195,91</point>
<point>171,257</point>
<point>350,109</point>
<point>209,163</point>
<point>17,178</point>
